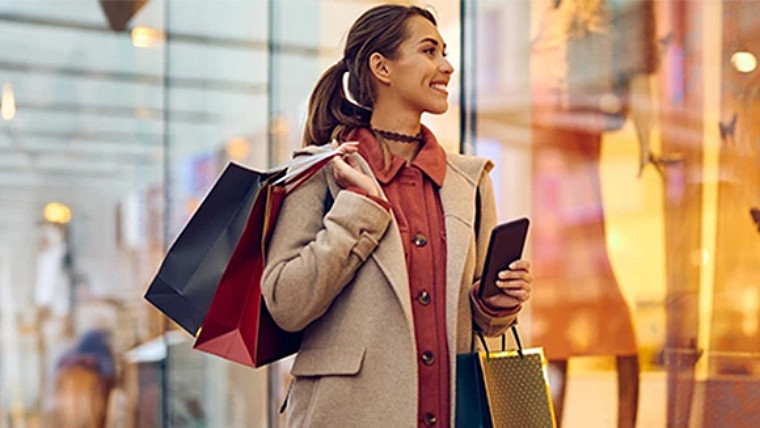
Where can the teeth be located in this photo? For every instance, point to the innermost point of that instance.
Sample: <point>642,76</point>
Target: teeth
<point>440,86</point>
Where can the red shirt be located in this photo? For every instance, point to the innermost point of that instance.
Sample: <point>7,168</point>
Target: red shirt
<point>412,192</point>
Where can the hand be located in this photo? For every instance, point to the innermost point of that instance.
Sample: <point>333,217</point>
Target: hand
<point>346,148</point>
<point>347,172</point>
<point>516,284</point>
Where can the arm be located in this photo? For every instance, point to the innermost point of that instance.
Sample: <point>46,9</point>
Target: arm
<point>311,258</point>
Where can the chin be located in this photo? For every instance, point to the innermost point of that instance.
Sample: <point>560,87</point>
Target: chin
<point>439,109</point>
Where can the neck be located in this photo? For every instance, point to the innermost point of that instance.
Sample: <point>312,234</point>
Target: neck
<point>389,118</point>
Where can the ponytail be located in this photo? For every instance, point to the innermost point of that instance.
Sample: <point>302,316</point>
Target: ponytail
<point>331,114</point>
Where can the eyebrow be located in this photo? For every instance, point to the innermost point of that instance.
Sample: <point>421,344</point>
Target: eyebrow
<point>433,41</point>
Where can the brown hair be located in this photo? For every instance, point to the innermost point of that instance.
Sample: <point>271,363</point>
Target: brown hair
<point>381,29</point>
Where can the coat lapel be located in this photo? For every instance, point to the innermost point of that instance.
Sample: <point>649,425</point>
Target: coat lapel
<point>458,201</point>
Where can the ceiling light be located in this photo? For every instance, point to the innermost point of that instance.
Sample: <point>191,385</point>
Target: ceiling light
<point>238,148</point>
<point>56,212</point>
<point>145,37</point>
<point>8,102</point>
<point>744,62</point>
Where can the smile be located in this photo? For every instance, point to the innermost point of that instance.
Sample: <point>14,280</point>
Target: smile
<point>441,87</point>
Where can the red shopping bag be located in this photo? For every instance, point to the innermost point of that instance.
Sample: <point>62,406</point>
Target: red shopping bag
<point>238,326</point>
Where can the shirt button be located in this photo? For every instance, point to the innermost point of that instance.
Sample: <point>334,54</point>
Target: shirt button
<point>423,297</point>
<point>428,358</point>
<point>430,419</point>
<point>420,240</point>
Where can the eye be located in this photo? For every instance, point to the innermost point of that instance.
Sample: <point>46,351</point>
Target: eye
<point>429,51</point>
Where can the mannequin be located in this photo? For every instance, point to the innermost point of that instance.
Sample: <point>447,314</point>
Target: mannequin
<point>590,71</point>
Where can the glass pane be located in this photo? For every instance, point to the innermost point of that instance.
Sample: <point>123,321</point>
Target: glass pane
<point>81,200</point>
<point>217,59</point>
<point>624,129</point>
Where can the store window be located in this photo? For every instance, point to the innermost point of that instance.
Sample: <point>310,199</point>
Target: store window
<point>625,130</point>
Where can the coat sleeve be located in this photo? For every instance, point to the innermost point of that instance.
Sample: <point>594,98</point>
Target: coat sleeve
<point>489,323</point>
<point>312,255</point>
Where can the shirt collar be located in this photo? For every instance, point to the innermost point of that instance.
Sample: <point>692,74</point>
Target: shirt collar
<point>431,159</point>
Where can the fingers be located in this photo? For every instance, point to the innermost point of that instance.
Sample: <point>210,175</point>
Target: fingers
<point>343,164</point>
<point>521,264</point>
<point>349,147</point>
<point>340,170</point>
<point>351,161</point>
<point>516,283</point>
<point>347,174</point>
<point>512,275</point>
<point>520,294</point>
<point>346,147</point>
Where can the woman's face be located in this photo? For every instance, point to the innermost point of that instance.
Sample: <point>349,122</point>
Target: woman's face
<point>420,73</point>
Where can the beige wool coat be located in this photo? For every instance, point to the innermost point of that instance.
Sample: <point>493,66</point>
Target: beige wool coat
<point>341,277</point>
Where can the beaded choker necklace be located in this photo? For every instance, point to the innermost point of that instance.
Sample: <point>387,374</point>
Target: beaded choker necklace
<point>395,136</point>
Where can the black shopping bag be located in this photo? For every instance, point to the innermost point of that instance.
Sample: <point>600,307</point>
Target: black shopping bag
<point>187,279</point>
<point>186,282</point>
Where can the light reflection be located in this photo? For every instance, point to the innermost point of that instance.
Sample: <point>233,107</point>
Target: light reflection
<point>145,37</point>
<point>8,102</point>
<point>58,213</point>
<point>238,148</point>
<point>744,62</point>
<point>750,306</point>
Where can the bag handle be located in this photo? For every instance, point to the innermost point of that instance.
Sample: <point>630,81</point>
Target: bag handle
<point>299,161</point>
<point>518,342</point>
<point>306,174</point>
<point>303,169</point>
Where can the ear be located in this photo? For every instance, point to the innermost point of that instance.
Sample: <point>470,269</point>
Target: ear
<point>379,67</point>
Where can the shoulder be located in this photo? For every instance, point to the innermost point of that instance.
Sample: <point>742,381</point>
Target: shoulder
<point>473,168</point>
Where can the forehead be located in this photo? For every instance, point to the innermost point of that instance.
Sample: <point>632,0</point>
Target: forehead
<point>419,29</point>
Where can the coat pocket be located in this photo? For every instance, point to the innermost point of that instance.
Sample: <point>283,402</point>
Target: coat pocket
<point>329,361</point>
<point>312,367</point>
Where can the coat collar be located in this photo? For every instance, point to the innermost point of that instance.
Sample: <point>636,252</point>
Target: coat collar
<point>431,159</point>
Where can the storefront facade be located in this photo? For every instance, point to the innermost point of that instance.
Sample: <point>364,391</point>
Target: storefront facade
<point>624,129</point>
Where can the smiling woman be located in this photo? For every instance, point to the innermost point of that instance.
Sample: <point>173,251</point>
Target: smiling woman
<point>394,217</point>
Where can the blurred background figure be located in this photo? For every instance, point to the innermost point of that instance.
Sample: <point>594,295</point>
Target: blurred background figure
<point>85,376</point>
<point>52,293</point>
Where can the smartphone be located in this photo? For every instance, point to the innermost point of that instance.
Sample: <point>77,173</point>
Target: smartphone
<point>505,246</point>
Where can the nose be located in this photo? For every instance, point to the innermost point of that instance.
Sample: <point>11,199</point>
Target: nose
<point>446,66</point>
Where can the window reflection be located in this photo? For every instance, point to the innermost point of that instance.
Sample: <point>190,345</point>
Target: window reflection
<point>625,129</point>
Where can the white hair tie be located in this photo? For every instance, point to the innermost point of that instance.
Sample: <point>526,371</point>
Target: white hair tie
<point>350,97</point>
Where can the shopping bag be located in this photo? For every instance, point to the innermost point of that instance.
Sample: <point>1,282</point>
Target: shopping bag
<point>238,326</point>
<point>471,402</point>
<point>190,272</point>
<point>517,388</point>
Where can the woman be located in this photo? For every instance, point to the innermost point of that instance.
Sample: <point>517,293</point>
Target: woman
<point>376,258</point>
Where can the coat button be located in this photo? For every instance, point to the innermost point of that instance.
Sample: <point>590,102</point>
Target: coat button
<point>427,358</point>
<point>430,419</point>
<point>423,297</point>
<point>420,240</point>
